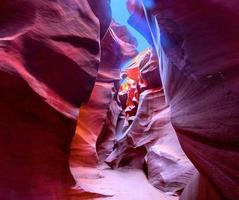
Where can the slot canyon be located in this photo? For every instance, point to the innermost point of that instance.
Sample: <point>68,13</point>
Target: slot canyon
<point>119,100</point>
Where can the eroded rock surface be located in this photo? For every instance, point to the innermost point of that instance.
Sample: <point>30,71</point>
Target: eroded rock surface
<point>117,46</point>
<point>198,48</point>
<point>150,137</point>
<point>56,56</point>
<point>49,57</point>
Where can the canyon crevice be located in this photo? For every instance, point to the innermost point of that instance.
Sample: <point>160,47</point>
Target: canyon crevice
<point>86,115</point>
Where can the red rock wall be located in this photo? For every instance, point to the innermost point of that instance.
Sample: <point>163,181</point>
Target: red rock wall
<point>198,48</point>
<point>117,47</point>
<point>50,53</point>
<point>150,138</point>
<point>49,57</point>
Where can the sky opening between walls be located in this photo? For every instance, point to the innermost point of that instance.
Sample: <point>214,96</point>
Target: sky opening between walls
<point>121,15</point>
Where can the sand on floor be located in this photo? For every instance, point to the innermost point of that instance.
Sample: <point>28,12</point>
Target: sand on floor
<point>120,184</point>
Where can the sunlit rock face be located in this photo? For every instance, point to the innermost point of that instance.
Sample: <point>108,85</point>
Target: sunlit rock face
<point>49,56</point>
<point>150,137</point>
<point>59,58</point>
<point>117,47</point>
<point>198,48</point>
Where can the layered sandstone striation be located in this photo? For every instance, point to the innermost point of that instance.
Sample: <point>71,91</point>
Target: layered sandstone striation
<point>66,102</point>
<point>49,57</point>
<point>117,46</point>
<point>149,140</point>
<point>197,43</point>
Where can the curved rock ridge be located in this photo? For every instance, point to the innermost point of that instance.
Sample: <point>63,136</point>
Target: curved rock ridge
<point>57,37</point>
<point>49,57</point>
<point>67,107</point>
<point>117,47</point>
<point>197,42</point>
<point>150,137</point>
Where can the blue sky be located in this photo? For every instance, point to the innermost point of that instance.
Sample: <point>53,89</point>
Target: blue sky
<point>121,15</point>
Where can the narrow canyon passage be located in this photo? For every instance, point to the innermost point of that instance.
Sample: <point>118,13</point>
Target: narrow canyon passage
<point>131,130</point>
<point>119,100</point>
